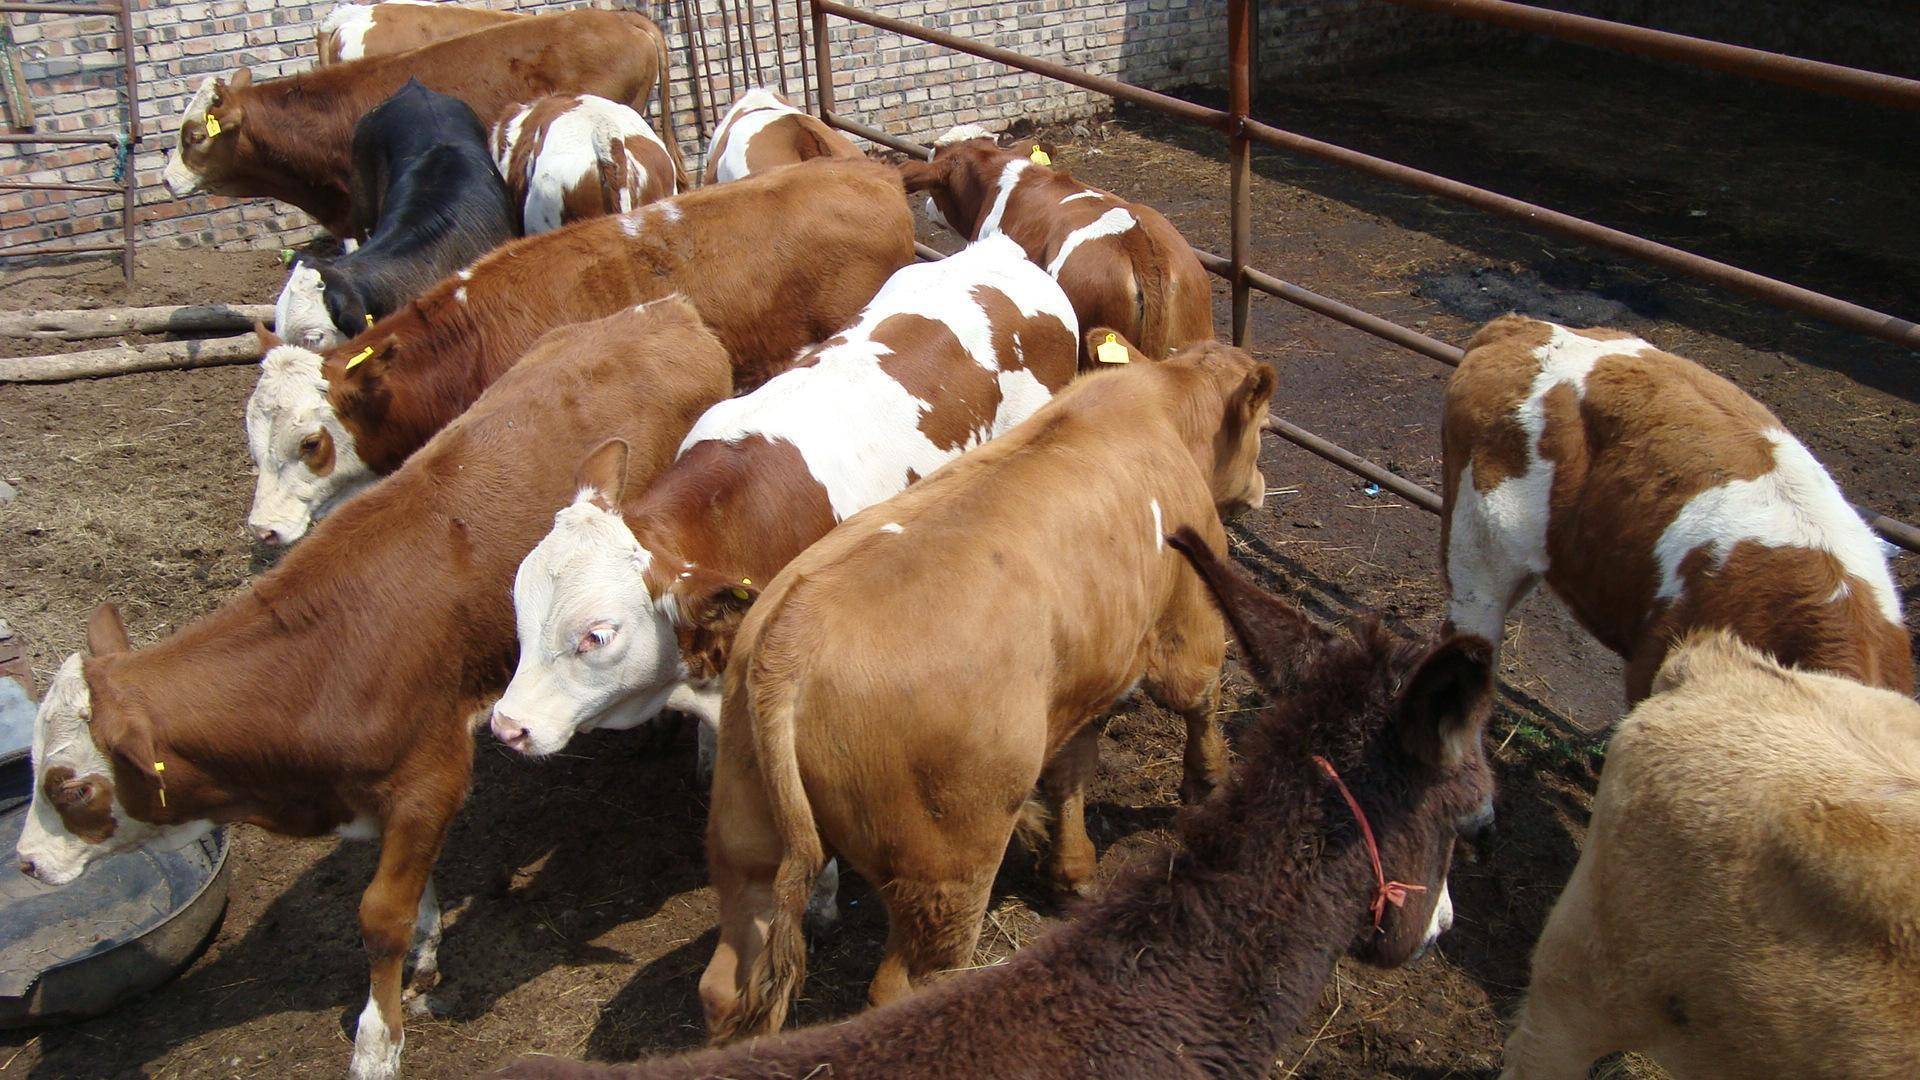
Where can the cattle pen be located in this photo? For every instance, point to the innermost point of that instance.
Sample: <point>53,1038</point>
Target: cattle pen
<point>579,906</point>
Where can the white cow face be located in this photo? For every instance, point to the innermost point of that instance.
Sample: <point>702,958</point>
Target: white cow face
<point>596,649</point>
<point>76,816</point>
<point>304,456</point>
<point>300,314</point>
<point>203,155</point>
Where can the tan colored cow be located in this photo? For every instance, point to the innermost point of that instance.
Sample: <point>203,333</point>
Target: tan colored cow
<point>902,686</point>
<point>761,131</point>
<point>1748,900</point>
<point>1655,498</point>
<point>1122,263</point>
<point>360,31</point>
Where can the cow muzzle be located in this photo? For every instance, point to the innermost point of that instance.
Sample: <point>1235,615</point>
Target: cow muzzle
<point>512,732</point>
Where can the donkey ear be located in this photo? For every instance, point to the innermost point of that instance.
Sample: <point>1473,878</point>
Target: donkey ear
<point>921,175</point>
<point>1275,635</point>
<point>1447,700</point>
<point>604,472</point>
<point>106,633</point>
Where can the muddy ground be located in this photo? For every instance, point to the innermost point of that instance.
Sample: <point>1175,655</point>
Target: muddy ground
<point>580,918</point>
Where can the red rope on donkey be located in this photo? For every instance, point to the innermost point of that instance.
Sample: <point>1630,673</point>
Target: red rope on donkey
<point>1386,892</point>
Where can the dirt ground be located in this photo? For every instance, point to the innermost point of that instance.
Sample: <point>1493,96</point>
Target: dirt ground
<point>581,920</point>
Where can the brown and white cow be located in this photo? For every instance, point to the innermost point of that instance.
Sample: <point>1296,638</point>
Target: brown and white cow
<point>359,31</point>
<point>569,157</point>
<point>629,605</point>
<point>1121,263</point>
<point>1747,902</point>
<point>900,688</point>
<point>291,138</point>
<point>1655,498</point>
<point>334,694</point>
<point>773,263</point>
<point>762,132</point>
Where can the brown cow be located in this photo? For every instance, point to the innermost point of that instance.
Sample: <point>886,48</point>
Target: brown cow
<point>1122,263</point>
<point>359,31</point>
<point>334,694</point>
<point>1655,498</point>
<point>762,132</point>
<point>1747,902</point>
<point>570,157</point>
<point>774,264</point>
<point>904,683</point>
<point>291,138</point>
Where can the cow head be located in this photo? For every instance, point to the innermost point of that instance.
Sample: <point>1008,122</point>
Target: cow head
<point>88,765</point>
<point>1241,387</point>
<point>303,455</point>
<point>210,130</point>
<point>301,314</point>
<point>965,174</point>
<point>598,647</point>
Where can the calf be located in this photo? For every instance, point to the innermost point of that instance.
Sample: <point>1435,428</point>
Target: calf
<point>1122,264</point>
<point>569,157</point>
<point>1655,498</point>
<point>1769,818</point>
<point>773,264</point>
<point>1203,960</point>
<point>630,605</point>
<point>762,132</point>
<point>358,31</point>
<point>422,174</point>
<point>903,684</point>
<point>291,138</point>
<point>334,694</point>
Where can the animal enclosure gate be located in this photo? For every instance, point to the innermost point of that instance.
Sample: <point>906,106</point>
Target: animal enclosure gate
<point>1241,131</point>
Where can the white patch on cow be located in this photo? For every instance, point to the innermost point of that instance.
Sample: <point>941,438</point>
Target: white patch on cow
<point>1498,540</point>
<point>361,829</point>
<point>669,212</point>
<point>348,24</point>
<point>862,463</point>
<point>961,133</point>
<point>893,527</point>
<point>1441,920</point>
<point>63,736</point>
<point>465,273</point>
<point>580,144</point>
<point>288,404</point>
<point>180,178</point>
<point>376,1050</point>
<point>1112,223</point>
<point>1795,505</point>
<point>426,936</point>
<point>1159,526</point>
<point>1088,194</point>
<point>934,215</point>
<point>460,295</point>
<point>300,313</point>
<point>1009,178</point>
<point>749,116</point>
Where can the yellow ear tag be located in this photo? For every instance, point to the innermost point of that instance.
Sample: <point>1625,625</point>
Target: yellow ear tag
<point>369,321</point>
<point>1039,157</point>
<point>1111,351</point>
<point>213,125</point>
<point>742,594</point>
<point>357,357</point>
<point>160,768</point>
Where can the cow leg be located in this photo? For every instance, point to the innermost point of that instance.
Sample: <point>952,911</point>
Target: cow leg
<point>1070,863</point>
<point>1206,755</point>
<point>388,911</point>
<point>743,857</point>
<point>1484,580</point>
<point>931,927</point>
<point>426,951</point>
<point>1568,1020</point>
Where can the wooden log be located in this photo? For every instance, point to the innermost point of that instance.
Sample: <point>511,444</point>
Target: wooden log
<point>126,359</point>
<point>105,322</point>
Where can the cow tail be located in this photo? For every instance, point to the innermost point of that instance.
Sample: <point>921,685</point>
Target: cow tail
<point>681,181</point>
<point>773,980</point>
<point>1150,284</point>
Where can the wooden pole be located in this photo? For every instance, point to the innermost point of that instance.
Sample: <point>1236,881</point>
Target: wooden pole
<point>84,323</point>
<point>127,359</point>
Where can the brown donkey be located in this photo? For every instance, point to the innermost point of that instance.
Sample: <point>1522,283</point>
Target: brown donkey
<point>1205,962</point>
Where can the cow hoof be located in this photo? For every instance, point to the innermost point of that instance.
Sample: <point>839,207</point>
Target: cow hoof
<point>423,1004</point>
<point>1195,792</point>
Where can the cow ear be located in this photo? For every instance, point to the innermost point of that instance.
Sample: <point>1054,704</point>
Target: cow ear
<point>1106,345</point>
<point>240,80</point>
<point>604,472</point>
<point>1249,402</point>
<point>922,175</point>
<point>707,612</point>
<point>1447,701</point>
<point>106,633</point>
<point>268,339</point>
<point>125,732</point>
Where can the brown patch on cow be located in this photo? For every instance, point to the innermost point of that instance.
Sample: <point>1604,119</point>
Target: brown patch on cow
<point>316,452</point>
<point>929,362</point>
<point>794,138</point>
<point>84,803</point>
<point>397,28</point>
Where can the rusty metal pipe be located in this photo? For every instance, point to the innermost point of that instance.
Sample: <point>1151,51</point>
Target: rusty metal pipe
<point>1853,316</point>
<point>61,9</point>
<point>1240,164</point>
<point>822,59</point>
<point>1792,71</point>
<point>1354,463</point>
<point>875,135</point>
<point>129,174</point>
<point>12,138</point>
<point>11,185</point>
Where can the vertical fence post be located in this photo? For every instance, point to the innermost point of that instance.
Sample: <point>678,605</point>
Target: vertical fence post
<point>1240,158</point>
<point>129,154</point>
<point>822,63</point>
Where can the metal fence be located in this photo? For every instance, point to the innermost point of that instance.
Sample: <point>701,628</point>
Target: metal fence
<point>1242,131</point>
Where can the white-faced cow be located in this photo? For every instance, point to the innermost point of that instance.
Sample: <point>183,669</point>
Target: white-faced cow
<point>630,604</point>
<point>1121,263</point>
<point>761,131</point>
<point>435,203</point>
<point>334,695</point>
<point>569,157</point>
<point>901,687</point>
<point>1655,498</point>
<point>773,263</point>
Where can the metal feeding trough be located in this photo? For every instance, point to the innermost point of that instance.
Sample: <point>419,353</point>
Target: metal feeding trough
<point>128,924</point>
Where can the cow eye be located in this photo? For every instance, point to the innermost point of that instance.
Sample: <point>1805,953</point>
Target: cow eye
<point>310,446</point>
<point>596,638</point>
<point>74,793</point>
